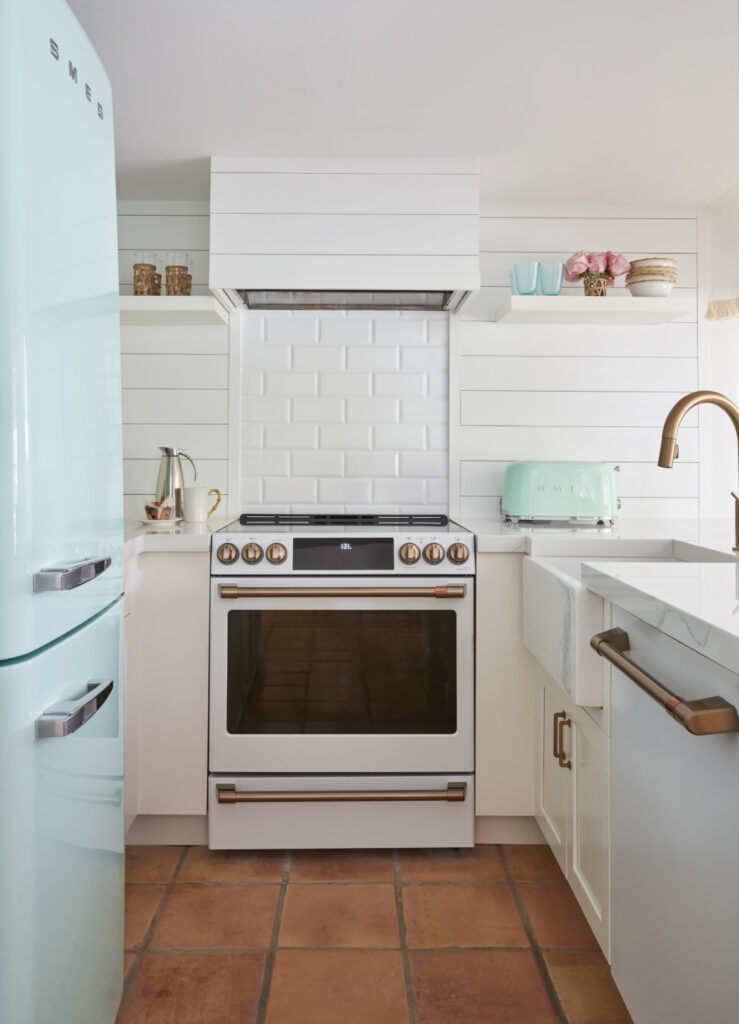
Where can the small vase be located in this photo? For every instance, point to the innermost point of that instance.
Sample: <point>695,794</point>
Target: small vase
<point>595,285</point>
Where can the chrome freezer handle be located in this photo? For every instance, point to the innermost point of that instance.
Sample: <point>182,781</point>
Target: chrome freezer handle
<point>67,577</point>
<point>70,715</point>
<point>435,592</point>
<point>700,717</point>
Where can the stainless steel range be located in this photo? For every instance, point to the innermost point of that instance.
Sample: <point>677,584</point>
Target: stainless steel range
<point>341,683</point>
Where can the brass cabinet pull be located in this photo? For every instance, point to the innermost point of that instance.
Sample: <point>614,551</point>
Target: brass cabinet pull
<point>555,737</point>
<point>455,792</point>
<point>700,717</point>
<point>563,761</point>
<point>435,592</point>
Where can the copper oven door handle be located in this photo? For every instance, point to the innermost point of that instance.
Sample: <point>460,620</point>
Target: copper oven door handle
<point>455,792</point>
<point>700,717</point>
<point>434,592</point>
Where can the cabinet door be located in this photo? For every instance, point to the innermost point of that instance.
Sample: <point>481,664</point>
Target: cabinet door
<point>589,856</point>
<point>553,781</point>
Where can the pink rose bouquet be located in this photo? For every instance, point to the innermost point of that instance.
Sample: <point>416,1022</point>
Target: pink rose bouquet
<point>607,265</point>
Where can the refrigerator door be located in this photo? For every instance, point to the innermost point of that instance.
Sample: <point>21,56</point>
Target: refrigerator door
<point>62,813</point>
<point>60,404</point>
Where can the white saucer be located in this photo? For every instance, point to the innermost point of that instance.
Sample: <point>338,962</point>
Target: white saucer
<point>159,524</point>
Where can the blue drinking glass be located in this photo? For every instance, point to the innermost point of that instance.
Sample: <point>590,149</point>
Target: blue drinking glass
<point>550,278</point>
<point>527,277</point>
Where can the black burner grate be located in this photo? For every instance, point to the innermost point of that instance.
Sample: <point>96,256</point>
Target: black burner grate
<point>339,519</point>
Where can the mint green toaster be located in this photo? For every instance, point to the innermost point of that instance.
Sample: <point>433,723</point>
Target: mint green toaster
<point>566,491</point>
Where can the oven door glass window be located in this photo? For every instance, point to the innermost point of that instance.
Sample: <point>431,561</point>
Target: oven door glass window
<point>369,672</point>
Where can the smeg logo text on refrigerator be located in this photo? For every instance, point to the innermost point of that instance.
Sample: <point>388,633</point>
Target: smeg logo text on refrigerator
<point>54,51</point>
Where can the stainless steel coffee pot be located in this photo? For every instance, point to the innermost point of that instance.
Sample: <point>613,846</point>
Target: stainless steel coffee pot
<point>170,481</point>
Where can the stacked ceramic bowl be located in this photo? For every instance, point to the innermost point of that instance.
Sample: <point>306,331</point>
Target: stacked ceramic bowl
<point>653,277</point>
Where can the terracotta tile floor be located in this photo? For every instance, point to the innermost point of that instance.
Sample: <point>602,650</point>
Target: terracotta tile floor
<point>485,936</point>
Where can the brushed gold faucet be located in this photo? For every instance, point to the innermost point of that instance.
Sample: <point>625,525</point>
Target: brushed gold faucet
<point>669,450</point>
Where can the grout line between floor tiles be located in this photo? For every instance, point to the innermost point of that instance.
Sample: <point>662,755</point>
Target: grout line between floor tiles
<point>143,946</point>
<point>407,973</point>
<point>269,964</point>
<point>535,947</point>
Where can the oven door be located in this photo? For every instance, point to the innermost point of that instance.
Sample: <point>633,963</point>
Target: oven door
<point>340,675</point>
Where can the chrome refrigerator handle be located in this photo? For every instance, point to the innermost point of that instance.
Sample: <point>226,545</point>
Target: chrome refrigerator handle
<point>70,715</point>
<point>67,577</point>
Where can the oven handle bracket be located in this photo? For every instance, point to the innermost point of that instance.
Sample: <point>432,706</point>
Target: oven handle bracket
<point>455,792</point>
<point>261,592</point>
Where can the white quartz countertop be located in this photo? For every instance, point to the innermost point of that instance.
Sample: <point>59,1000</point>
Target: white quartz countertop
<point>695,603</point>
<point>628,538</point>
<point>177,538</point>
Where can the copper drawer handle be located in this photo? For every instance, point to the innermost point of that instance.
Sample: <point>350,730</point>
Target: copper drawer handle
<point>435,592</point>
<point>562,760</point>
<point>555,737</point>
<point>456,792</point>
<point>700,717</point>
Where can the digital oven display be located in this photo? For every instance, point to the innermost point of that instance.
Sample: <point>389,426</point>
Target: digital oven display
<point>345,553</point>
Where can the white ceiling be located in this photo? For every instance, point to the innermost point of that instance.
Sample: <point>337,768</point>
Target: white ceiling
<point>582,100</point>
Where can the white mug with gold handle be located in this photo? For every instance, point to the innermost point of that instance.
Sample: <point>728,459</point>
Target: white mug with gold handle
<point>196,503</point>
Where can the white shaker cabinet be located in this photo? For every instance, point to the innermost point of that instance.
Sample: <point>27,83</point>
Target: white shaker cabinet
<point>572,799</point>
<point>167,684</point>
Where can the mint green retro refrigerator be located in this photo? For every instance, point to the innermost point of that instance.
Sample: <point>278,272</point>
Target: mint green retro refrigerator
<point>61,683</point>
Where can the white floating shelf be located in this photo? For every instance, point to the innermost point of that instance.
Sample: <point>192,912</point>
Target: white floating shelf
<point>567,309</point>
<point>172,310</point>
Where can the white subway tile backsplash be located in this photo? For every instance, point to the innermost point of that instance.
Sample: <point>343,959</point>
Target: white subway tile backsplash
<point>401,332</point>
<point>404,492</point>
<point>371,464</point>
<point>264,463</point>
<point>252,435</point>
<point>438,385</point>
<point>424,360</point>
<point>289,489</point>
<point>266,357</point>
<point>345,436</point>
<point>288,329</point>
<point>399,436</point>
<point>341,330</point>
<point>333,415</point>
<point>346,492</point>
<point>325,357</point>
<point>346,383</point>
<point>372,357</point>
<point>372,410</point>
<point>400,384</point>
<point>437,492</point>
<point>290,435</point>
<point>423,410</point>
<point>266,410</point>
<point>321,409</point>
<point>318,464</point>
<point>425,464</point>
<point>291,383</point>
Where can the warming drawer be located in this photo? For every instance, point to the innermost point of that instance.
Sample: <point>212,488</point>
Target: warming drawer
<point>283,812</point>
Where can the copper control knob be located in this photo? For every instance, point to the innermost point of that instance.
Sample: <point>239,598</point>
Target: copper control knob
<point>433,553</point>
<point>409,554</point>
<point>276,554</point>
<point>227,553</point>
<point>252,554</point>
<point>458,554</point>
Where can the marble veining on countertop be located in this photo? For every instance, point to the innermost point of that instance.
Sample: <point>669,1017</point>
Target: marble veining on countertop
<point>696,603</point>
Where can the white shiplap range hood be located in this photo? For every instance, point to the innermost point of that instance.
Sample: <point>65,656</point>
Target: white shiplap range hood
<point>344,234</point>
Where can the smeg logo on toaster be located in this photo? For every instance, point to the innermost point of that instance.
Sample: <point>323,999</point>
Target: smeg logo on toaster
<point>54,51</point>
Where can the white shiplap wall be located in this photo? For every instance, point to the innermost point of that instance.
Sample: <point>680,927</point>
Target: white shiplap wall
<point>175,379</point>
<point>344,411</point>
<point>572,392</point>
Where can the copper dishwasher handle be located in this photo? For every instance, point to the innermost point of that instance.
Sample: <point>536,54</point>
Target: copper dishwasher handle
<point>700,717</point>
